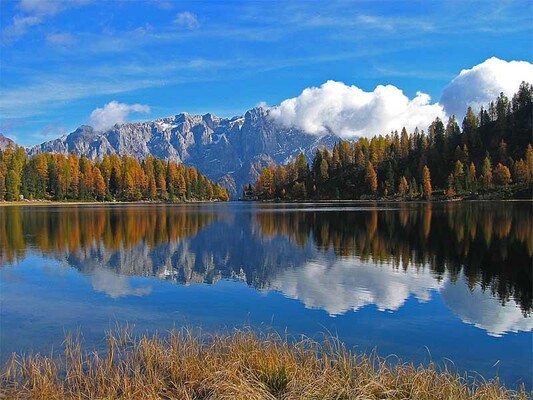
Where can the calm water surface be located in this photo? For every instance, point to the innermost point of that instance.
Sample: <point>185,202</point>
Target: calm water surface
<point>426,282</point>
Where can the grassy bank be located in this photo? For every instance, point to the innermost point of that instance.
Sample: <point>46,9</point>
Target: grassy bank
<point>242,365</point>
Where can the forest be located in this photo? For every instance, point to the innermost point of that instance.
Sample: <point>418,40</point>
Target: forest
<point>489,156</point>
<point>59,177</point>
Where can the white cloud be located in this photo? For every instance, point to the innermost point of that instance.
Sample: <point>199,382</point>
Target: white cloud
<point>484,82</point>
<point>35,12</point>
<point>19,27</point>
<point>187,20</point>
<point>349,111</point>
<point>53,130</point>
<point>339,286</point>
<point>350,284</point>
<point>115,285</point>
<point>114,113</point>
<point>60,39</point>
<point>481,309</point>
<point>42,7</point>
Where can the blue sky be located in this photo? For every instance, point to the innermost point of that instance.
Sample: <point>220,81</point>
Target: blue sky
<point>61,60</point>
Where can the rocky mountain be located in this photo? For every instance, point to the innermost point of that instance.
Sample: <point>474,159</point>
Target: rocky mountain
<point>5,142</point>
<point>229,151</point>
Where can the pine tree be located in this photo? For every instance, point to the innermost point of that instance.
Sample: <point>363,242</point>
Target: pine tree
<point>324,175</point>
<point>2,186</point>
<point>459,175</point>
<point>472,178</point>
<point>502,175</point>
<point>450,191</point>
<point>371,178</point>
<point>529,162</point>
<point>403,187</point>
<point>426,182</point>
<point>99,185</point>
<point>487,173</point>
<point>520,172</point>
<point>12,185</point>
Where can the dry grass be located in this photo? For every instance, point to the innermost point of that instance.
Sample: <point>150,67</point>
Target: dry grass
<point>243,365</point>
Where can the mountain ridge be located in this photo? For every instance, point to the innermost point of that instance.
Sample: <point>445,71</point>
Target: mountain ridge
<point>231,151</point>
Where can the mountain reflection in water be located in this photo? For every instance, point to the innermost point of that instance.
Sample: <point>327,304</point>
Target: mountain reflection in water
<point>337,258</point>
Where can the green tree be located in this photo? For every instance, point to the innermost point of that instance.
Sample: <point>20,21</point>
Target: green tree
<point>486,172</point>
<point>459,176</point>
<point>12,185</point>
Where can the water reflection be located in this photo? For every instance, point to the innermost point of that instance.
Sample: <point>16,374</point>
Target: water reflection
<point>477,256</point>
<point>114,285</point>
<point>491,244</point>
<point>350,284</point>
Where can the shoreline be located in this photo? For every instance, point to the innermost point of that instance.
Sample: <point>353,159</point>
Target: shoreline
<point>93,203</point>
<point>42,203</point>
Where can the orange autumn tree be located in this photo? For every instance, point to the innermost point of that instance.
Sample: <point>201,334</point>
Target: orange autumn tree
<point>60,177</point>
<point>371,178</point>
<point>426,182</point>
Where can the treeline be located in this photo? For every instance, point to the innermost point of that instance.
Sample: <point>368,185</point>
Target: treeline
<point>114,178</point>
<point>491,151</point>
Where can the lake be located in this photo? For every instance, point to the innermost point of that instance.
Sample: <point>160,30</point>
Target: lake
<point>445,282</point>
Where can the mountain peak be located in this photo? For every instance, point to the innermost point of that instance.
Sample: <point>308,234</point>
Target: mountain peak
<point>229,151</point>
<point>257,112</point>
<point>6,142</point>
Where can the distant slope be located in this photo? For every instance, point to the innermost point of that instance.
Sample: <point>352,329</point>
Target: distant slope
<point>232,152</point>
<point>5,142</point>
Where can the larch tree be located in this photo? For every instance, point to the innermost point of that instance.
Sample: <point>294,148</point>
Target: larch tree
<point>99,185</point>
<point>426,182</point>
<point>486,172</point>
<point>403,187</point>
<point>371,178</point>
<point>502,175</point>
<point>529,162</point>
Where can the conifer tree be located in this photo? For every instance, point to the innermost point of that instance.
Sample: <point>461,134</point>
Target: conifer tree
<point>486,172</point>
<point>403,187</point>
<point>502,175</point>
<point>371,178</point>
<point>426,182</point>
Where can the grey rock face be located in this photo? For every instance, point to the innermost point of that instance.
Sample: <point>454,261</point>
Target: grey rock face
<point>6,142</point>
<point>229,151</point>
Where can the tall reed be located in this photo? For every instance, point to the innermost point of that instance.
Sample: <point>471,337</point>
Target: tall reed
<point>241,365</point>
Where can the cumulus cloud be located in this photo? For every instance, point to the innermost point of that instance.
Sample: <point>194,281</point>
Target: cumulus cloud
<point>349,111</point>
<point>114,113</point>
<point>187,20</point>
<point>484,82</point>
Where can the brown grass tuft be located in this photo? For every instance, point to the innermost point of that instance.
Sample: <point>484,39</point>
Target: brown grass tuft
<point>243,365</point>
